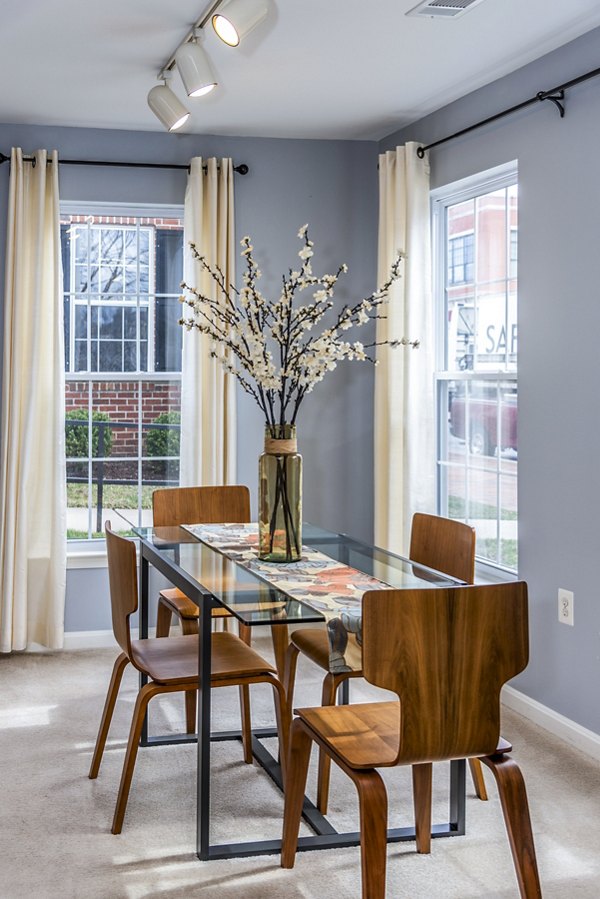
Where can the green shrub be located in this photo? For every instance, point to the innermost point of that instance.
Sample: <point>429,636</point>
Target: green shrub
<point>164,441</point>
<point>76,436</point>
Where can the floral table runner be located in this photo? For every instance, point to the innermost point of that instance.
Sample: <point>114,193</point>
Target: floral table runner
<point>321,582</point>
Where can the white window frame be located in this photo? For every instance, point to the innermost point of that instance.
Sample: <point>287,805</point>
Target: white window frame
<point>86,553</point>
<point>497,178</point>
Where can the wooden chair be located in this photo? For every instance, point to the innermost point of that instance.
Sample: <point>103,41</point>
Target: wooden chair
<point>200,505</point>
<point>440,543</point>
<point>430,647</point>
<point>171,664</point>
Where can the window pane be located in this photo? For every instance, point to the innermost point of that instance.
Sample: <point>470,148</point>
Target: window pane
<point>111,355</point>
<point>161,431</point>
<point>111,322</point>
<point>81,317</point>
<point>130,322</point>
<point>80,361</point>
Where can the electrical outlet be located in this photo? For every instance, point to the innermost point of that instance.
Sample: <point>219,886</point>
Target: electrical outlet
<point>565,606</point>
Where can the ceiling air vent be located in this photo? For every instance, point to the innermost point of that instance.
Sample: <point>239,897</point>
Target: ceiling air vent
<point>443,9</point>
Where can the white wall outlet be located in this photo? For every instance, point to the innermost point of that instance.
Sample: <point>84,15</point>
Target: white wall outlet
<point>565,606</point>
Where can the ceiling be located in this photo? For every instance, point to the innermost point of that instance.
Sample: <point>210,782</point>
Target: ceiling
<point>314,69</point>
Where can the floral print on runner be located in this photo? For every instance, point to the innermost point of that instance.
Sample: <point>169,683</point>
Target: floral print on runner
<point>334,589</point>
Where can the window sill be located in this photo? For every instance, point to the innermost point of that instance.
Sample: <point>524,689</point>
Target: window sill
<point>87,558</point>
<point>489,574</point>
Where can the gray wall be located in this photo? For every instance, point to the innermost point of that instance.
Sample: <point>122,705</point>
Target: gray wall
<point>332,185</point>
<point>559,328</point>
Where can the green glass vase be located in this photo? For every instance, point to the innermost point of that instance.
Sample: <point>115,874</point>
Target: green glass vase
<point>280,496</point>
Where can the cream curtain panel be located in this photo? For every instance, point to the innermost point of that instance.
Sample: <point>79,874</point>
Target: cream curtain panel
<point>32,443</point>
<point>404,396</point>
<point>208,417</point>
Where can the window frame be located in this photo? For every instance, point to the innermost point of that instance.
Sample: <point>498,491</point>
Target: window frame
<point>441,198</point>
<point>90,552</point>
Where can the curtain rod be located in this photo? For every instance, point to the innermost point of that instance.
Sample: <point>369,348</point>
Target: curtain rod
<point>556,95</point>
<point>242,169</point>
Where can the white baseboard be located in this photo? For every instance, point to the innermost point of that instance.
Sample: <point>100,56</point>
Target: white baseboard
<point>98,639</point>
<point>580,737</point>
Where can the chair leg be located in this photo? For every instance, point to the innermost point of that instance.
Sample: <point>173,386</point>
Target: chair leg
<point>331,683</point>
<point>283,726</point>
<point>478,781</point>
<point>281,641</point>
<point>190,626</point>
<point>421,779</point>
<point>163,619</point>
<point>245,634</point>
<point>289,673</point>
<point>141,704</point>
<point>246,722</point>
<point>513,797</point>
<point>295,787</point>
<point>109,704</point>
<point>372,798</point>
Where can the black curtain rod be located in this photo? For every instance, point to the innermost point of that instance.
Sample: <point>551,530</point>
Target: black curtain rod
<point>556,95</point>
<point>241,169</point>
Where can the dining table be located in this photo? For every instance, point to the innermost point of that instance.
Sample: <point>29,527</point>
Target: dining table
<point>218,565</point>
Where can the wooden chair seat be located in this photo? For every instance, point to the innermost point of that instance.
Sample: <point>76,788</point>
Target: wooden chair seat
<point>176,658</point>
<point>180,604</point>
<point>364,735</point>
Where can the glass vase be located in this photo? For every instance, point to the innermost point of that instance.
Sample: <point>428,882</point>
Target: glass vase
<point>280,496</point>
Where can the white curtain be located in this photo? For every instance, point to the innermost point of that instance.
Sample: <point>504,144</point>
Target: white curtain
<point>404,396</point>
<point>32,442</point>
<point>208,438</point>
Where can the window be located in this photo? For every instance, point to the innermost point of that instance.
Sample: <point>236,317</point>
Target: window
<point>460,259</point>
<point>122,270</point>
<point>475,240</point>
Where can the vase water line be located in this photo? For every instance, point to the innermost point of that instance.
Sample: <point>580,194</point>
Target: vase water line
<point>280,496</point>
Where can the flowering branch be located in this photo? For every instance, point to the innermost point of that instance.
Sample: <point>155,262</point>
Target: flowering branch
<point>279,358</point>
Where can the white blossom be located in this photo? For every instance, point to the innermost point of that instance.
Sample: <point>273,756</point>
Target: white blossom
<point>272,348</point>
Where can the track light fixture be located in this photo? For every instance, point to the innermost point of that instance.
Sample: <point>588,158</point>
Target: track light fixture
<point>232,20</point>
<point>195,69</point>
<point>167,107</point>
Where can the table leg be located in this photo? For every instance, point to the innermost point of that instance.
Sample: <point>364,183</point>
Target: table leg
<point>204,682</point>
<point>143,628</point>
<point>458,796</point>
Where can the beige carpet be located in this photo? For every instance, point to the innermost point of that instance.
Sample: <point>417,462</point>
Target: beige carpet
<point>55,838</point>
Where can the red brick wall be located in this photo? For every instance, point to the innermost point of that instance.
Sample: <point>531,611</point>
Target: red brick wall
<point>120,400</point>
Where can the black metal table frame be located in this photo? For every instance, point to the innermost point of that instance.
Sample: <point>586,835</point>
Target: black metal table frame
<point>325,835</point>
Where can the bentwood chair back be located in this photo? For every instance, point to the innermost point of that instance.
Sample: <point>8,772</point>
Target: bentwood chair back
<point>174,506</point>
<point>429,647</point>
<point>122,579</point>
<point>171,665</point>
<point>444,544</point>
<point>200,505</point>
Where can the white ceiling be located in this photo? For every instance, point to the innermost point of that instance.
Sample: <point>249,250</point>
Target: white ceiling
<point>313,69</point>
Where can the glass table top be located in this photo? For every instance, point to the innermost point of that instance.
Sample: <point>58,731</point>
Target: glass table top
<point>252,599</point>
